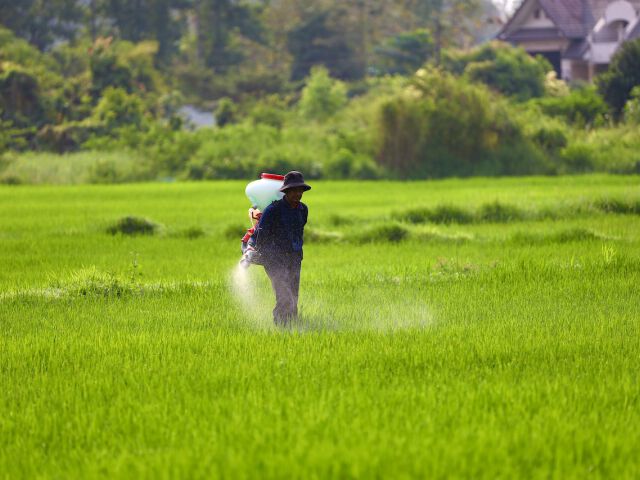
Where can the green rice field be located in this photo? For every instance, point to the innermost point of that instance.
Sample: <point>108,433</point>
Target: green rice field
<point>481,328</point>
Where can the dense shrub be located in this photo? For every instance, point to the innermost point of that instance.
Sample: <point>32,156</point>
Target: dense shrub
<point>21,100</point>
<point>226,112</point>
<point>117,108</point>
<point>581,106</point>
<point>614,150</point>
<point>67,137</point>
<point>404,53</point>
<point>621,77</point>
<point>322,96</point>
<point>442,125</point>
<point>632,108</point>
<point>507,69</point>
<point>245,150</point>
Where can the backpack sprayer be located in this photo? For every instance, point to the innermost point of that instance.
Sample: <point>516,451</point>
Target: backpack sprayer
<point>261,193</point>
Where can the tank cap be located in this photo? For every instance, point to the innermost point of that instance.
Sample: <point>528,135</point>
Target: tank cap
<point>272,176</point>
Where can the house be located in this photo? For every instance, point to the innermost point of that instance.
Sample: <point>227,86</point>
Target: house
<point>578,37</point>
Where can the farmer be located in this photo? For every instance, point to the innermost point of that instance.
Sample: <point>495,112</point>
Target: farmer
<point>279,241</point>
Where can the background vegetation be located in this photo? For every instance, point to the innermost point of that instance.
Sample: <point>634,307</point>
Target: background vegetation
<point>329,88</point>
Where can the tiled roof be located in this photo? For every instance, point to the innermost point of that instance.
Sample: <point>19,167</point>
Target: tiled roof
<point>525,34</point>
<point>572,17</point>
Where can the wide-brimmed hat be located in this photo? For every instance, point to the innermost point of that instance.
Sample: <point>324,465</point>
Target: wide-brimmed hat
<point>292,180</point>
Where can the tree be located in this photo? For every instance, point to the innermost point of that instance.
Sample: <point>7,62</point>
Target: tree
<point>319,42</point>
<point>405,53</point>
<point>443,125</point>
<point>452,22</point>
<point>623,75</point>
<point>137,20</point>
<point>322,96</point>
<point>219,21</point>
<point>42,22</point>
<point>504,68</point>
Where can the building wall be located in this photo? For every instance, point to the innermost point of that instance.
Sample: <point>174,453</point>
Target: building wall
<point>599,6</point>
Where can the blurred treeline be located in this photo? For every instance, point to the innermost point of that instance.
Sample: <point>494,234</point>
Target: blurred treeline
<point>92,90</point>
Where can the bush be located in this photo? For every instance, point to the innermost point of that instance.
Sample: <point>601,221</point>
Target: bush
<point>117,108</point>
<point>581,106</point>
<point>614,150</point>
<point>404,53</point>
<point>322,96</point>
<point>67,137</point>
<point>245,150</point>
<point>507,69</point>
<point>632,108</point>
<point>21,99</point>
<point>442,126</point>
<point>550,138</point>
<point>623,74</point>
<point>226,112</point>
<point>578,158</point>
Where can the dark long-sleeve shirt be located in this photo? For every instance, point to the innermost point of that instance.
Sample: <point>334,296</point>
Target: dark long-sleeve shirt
<point>281,229</point>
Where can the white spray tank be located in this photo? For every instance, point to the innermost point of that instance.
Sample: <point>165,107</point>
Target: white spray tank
<point>261,194</point>
<point>264,191</point>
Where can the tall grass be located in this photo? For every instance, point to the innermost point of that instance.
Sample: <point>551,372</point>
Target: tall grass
<point>503,348</point>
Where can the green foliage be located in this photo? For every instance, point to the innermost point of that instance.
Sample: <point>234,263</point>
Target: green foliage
<point>42,23</point>
<point>226,20</point>
<point>245,150</point>
<point>345,164</point>
<point>107,70</point>
<point>17,51</point>
<point>76,168</point>
<point>322,96</point>
<point>509,70</point>
<point>615,150</point>
<point>320,40</point>
<point>404,53</point>
<point>273,110</point>
<point>117,108</point>
<point>632,107</point>
<point>69,136</point>
<point>578,158</point>
<point>582,106</point>
<point>442,125</point>
<point>225,112</point>
<point>623,74</point>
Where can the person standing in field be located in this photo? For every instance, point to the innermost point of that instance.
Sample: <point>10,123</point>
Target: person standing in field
<point>279,238</point>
